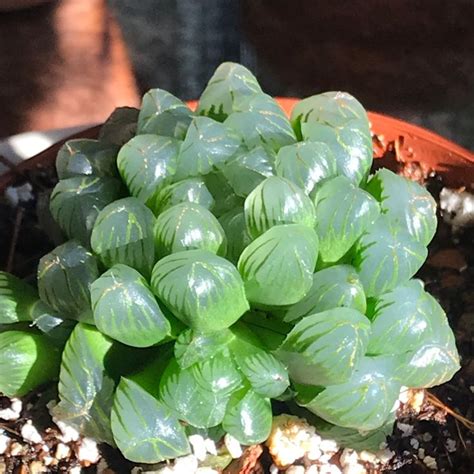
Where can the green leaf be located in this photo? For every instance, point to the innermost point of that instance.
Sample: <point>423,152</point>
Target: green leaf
<point>223,194</point>
<point>27,360</point>
<point>278,266</point>
<point>53,326</point>
<point>405,203</point>
<point>277,201</point>
<point>387,256</point>
<point>144,429</point>
<point>64,279</point>
<point>333,287</point>
<point>235,228</point>
<point>123,233</point>
<point>324,348</point>
<point>229,83</point>
<point>16,299</point>
<point>306,164</point>
<point>203,290</point>
<point>76,202</point>
<point>248,417</point>
<point>343,213</point>
<point>192,190</point>
<point>162,113</point>
<point>147,163</point>
<point>85,387</point>
<point>192,347</point>
<point>365,401</point>
<point>350,143</point>
<point>207,145</point>
<point>85,157</point>
<point>188,226</point>
<point>260,121</point>
<point>126,310</point>
<point>248,170</point>
<point>120,126</point>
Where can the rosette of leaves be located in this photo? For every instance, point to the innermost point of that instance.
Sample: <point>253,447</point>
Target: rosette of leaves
<point>222,258</point>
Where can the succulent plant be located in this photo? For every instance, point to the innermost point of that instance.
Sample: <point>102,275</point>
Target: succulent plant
<point>218,259</point>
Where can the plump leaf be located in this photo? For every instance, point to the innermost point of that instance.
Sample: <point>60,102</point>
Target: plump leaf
<point>343,213</point>
<point>164,114</point>
<point>85,157</point>
<point>224,197</point>
<point>192,190</point>
<point>350,143</point>
<point>123,233</point>
<point>27,360</point>
<point>277,201</point>
<point>64,279</point>
<point>405,203</point>
<point>260,121</point>
<point>365,401</point>
<point>324,348</point>
<point>144,429</point>
<point>16,299</point>
<point>76,202</point>
<point>207,145</point>
<point>126,310</point>
<point>229,83</point>
<point>235,228</point>
<point>120,126</point>
<point>85,387</point>
<point>203,290</point>
<point>147,163</point>
<point>248,417</point>
<point>53,326</point>
<point>188,226</point>
<point>306,164</point>
<point>387,256</point>
<point>278,266</point>
<point>333,287</point>
<point>246,171</point>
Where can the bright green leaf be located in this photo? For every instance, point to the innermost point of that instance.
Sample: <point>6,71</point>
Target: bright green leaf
<point>235,228</point>
<point>16,299</point>
<point>224,197</point>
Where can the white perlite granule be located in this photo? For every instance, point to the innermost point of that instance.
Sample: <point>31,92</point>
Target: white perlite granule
<point>4,442</point>
<point>69,433</point>
<point>30,433</point>
<point>87,451</point>
<point>233,446</point>
<point>13,412</point>
<point>199,446</point>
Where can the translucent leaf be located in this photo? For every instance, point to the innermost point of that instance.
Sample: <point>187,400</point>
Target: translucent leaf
<point>405,203</point>
<point>192,190</point>
<point>85,387</point>
<point>144,429</point>
<point>188,226</point>
<point>235,228</point>
<point>147,163</point>
<point>277,201</point>
<point>324,348</point>
<point>54,327</point>
<point>64,278</point>
<point>120,126</point>
<point>246,171</point>
<point>192,347</point>
<point>333,287</point>
<point>162,113</point>
<point>123,233</point>
<point>387,256</point>
<point>278,266</point>
<point>203,290</point>
<point>365,401</point>
<point>126,310</point>
<point>223,194</point>
<point>350,143</point>
<point>306,164</point>
<point>27,360</point>
<point>76,202</point>
<point>228,84</point>
<point>85,157</point>
<point>16,299</point>
<point>343,213</point>
<point>248,417</point>
<point>207,145</point>
<point>260,121</point>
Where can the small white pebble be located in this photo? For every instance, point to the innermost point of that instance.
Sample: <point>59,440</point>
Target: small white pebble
<point>329,469</point>
<point>415,444</point>
<point>210,446</point>
<point>63,451</point>
<point>295,470</point>
<point>430,463</point>
<point>273,469</point>
<point>450,445</point>
<point>199,446</point>
<point>406,429</point>
<point>324,458</point>
<point>385,455</point>
<point>421,453</point>
<point>48,460</point>
<point>17,194</point>
<point>75,470</point>
<point>185,464</point>
<point>404,395</point>
<point>233,446</point>
<point>205,470</point>
<point>88,451</point>
<point>69,433</point>
<point>328,446</point>
<point>16,449</point>
<point>313,469</point>
<point>348,456</point>
<point>314,453</point>
<point>4,443</point>
<point>45,448</point>
<point>30,433</point>
<point>13,412</point>
<point>354,469</point>
<point>368,456</point>
<point>427,437</point>
<point>471,388</point>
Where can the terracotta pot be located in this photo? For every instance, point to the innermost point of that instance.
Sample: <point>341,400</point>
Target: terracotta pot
<point>395,142</point>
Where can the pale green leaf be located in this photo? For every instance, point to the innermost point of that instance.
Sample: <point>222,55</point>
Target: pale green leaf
<point>16,299</point>
<point>235,228</point>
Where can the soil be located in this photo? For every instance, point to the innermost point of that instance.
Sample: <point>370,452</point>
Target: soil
<point>424,432</point>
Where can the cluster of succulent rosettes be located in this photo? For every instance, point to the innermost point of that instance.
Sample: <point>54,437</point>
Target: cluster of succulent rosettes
<point>220,258</point>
